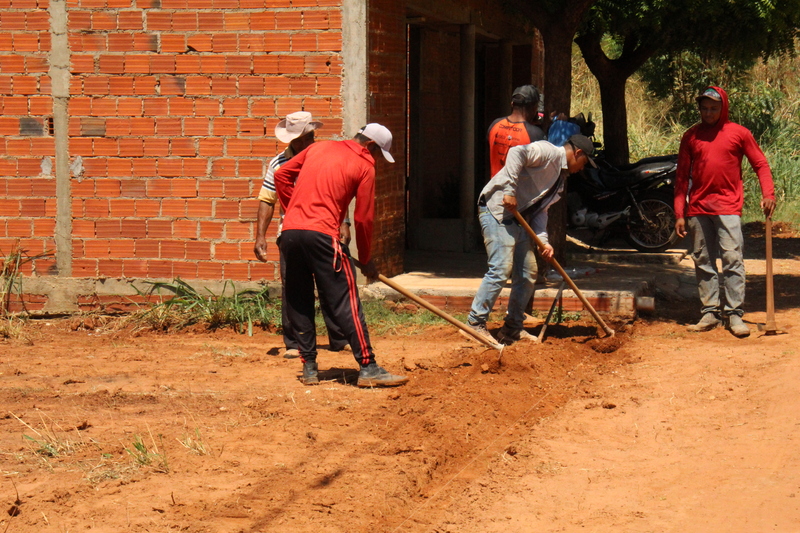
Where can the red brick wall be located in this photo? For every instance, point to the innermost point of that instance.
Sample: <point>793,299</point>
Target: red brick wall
<point>387,105</point>
<point>172,109</point>
<point>27,196</point>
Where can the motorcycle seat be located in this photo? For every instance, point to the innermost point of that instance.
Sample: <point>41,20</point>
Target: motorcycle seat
<point>628,175</point>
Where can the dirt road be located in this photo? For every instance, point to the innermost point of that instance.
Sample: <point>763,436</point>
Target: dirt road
<point>659,430</point>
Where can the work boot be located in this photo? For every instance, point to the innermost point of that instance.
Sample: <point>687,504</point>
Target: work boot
<point>508,336</point>
<point>477,328</point>
<point>291,353</point>
<point>738,327</point>
<point>707,323</point>
<point>310,373</point>
<point>373,375</point>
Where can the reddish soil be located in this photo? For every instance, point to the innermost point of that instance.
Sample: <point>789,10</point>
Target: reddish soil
<point>653,430</point>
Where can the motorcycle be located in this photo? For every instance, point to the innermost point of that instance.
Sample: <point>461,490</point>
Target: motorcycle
<point>636,199</point>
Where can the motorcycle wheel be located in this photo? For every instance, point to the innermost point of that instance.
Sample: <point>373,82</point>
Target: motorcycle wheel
<point>655,231</point>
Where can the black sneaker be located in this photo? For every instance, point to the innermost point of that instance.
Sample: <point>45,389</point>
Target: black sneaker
<point>310,373</point>
<point>373,375</point>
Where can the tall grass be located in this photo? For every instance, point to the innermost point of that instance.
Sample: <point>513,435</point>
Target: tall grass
<point>654,127</point>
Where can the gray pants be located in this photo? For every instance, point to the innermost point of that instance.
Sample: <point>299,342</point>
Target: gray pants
<point>718,237</point>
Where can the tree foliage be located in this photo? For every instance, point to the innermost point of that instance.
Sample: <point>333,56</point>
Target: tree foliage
<point>617,37</point>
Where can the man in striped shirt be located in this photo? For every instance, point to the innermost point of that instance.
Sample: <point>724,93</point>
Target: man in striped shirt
<point>297,129</point>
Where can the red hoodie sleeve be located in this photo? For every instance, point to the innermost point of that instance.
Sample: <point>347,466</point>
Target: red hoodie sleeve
<point>760,165</point>
<point>286,176</point>
<point>365,215</point>
<point>682,175</point>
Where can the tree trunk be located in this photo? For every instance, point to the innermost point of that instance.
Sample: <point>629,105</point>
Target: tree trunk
<point>612,75</point>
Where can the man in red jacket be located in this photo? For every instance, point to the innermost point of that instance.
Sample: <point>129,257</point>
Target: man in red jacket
<point>315,188</point>
<point>710,171</point>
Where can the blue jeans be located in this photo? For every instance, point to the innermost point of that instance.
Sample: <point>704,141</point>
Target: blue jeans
<point>510,255</point>
<point>713,237</point>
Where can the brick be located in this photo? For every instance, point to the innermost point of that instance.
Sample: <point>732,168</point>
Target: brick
<point>262,21</point>
<point>129,107</point>
<point>159,188</point>
<point>238,230</point>
<point>134,268</point>
<point>210,188</point>
<point>237,21</point>
<point>288,20</point>
<point>145,85</point>
<point>195,167</point>
<point>105,147</point>
<point>168,127</point>
<point>197,208</point>
<point>122,207</point>
<point>104,21</point>
<point>120,42</point>
<point>44,227</point>
<point>172,85</point>
<point>184,229</point>
<point>329,42</point>
<point>198,250</point>
<point>222,168</point>
<point>146,247</point>
<point>107,187</point>
<point>25,42</point>
<point>224,42</point>
<point>236,188</point>
<point>173,208</point>
<point>182,147</point>
<point>226,209</point>
<point>210,147</point>
<point>187,64</point>
<point>143,168</point>
<point>154,147</point>
<point>120,85</point>
<point>201,42</point>
<point>36,65</point>
<point>95,208</point>
<point>137,64</point>
<point>207,270</point>
<point>211,230</point>
<point>211,22</point>
<point>239,148</point>
<point>184,270</point>
<point>304,42</point>
<point>225,126</point>
<point>238,64</point>
<point>224,86</point>
<point>214,64</point>
<point>266,65</point>
<point>196,126</point>
<point>169,168</point>
<point>183,21</point>
<point>96,248</point>
<point>104,107</point>
<point>131,147</point>
<point>252,168</point>
<point>237,271</point>
<point>251,85</point>
<point>159,21</point>
<point>84,268</point>
<point>148,208</point>
<point>107,229</point>
<point>132,188</point>
<point>108,64</point>
<point>171,43</point>
<point>226,252</point>
<point>291,64</point>
<point>111,268</point>
<point>145,43</point>
<point>277,86</point>
<point>184,188</point>
<point>162,64</point>
<point>159,269</point>
<point>159,229</point>
<point>143,126</point>
<point>234,107</point>
<point>179,106</point>
<point>130,20</point>
<point>252,127</point>
<point>277,42</point>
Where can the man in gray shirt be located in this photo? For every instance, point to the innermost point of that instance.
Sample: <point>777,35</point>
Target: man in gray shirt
<point>530,182</point>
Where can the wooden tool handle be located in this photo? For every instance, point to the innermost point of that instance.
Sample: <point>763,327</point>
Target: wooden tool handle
<point>564,276</point>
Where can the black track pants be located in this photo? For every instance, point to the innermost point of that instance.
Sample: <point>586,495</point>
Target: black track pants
<point>310,257</point>
<point>336,341</point>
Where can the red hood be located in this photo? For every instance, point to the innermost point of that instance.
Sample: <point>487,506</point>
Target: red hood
<point>723,115</point>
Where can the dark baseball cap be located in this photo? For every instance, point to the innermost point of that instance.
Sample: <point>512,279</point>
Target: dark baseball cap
<point>525,95</point>
<point>585,145</point>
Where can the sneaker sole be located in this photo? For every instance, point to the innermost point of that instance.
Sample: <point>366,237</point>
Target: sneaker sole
<point>696,329</point>
<point>371,383</point>
<point>310,381</point>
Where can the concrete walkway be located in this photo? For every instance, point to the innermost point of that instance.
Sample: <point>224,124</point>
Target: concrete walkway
<point>613,281</point>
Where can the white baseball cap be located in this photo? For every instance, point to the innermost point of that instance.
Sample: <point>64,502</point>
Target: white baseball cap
<point>382,137</point>
<point>294,125</point>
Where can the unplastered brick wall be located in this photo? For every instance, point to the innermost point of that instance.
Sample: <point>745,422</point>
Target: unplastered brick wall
<point>387,89</point>
<point>171,110</point>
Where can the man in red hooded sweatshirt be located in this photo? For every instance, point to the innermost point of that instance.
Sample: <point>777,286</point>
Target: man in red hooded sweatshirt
<point>710,172</point>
